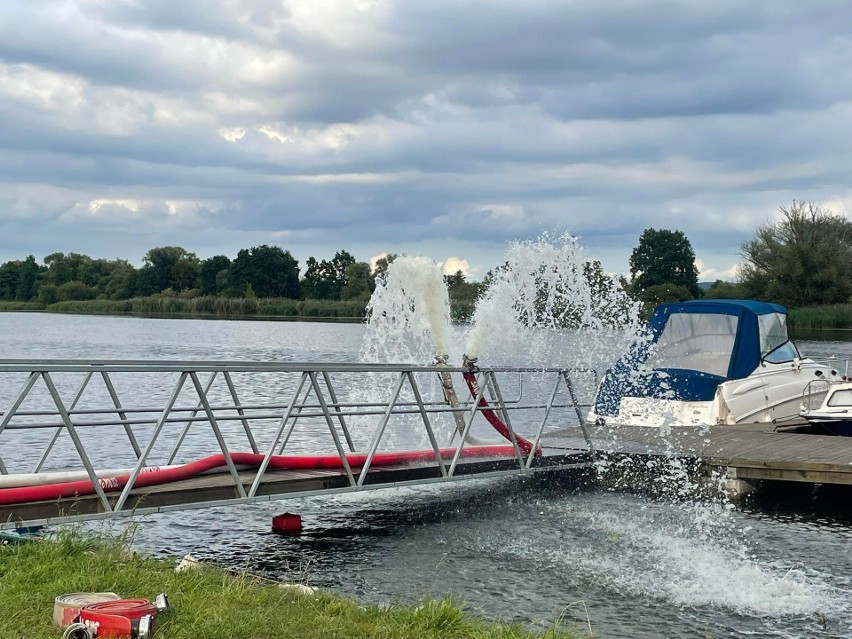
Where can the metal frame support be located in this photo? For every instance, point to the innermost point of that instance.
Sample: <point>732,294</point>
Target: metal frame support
<point>159,427</point>
<point>334,409</point>
<point>380,430</point>
<point>66,418</point>
<point>31,380</point>
<point>58,431</point>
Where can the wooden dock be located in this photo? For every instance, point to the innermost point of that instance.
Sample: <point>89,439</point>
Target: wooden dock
<point>215,489</point>
<point>749,452</point>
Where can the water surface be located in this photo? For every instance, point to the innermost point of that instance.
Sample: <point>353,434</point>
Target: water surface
<point>515,549</point>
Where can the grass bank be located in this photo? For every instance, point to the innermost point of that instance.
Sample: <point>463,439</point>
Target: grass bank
<point>209,306</point>
<point>21,306</point>
<point>210,603</point>
<point>831,316</point>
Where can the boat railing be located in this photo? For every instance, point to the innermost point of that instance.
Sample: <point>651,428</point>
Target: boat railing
<point>814,395</point>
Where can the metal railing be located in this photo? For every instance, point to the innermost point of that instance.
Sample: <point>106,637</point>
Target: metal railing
<point>144,413</point>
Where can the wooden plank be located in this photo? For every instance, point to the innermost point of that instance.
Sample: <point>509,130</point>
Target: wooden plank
<point>804,457</point>
<point>220,487</point>
<point>811,476</point>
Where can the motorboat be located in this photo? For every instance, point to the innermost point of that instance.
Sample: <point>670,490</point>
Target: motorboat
<point>827,407</point>
<point>708,362</point>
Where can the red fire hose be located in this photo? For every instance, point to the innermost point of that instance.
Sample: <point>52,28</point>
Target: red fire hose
<point>134,618</point>
<point>164,476</point>
<point>524,445</point>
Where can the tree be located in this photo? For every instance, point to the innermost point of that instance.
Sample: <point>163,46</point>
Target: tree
<point>210,269</point>
<point>325,280</point>
<point>75,290</point>
<point>726,291</point>
<point>658,294</point>
<point>271,271</point>
<point>382,265</point>
<point>359,282</point>
<point>663,257</point>
<point>168,267</point>
<point>121,281</point>
<point>9,280</point>
<point>27,276</point>
<point>801,259</point>
<point>463,296</point>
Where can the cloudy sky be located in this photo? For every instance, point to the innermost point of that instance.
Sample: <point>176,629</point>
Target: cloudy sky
<point>436,128</point>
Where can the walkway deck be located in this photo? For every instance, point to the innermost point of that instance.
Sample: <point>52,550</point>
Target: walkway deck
<point>88,416</point>
<point>755,451</point>
<point>208,490</point>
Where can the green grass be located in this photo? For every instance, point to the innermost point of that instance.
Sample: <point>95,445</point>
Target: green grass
<point>21,306</point>
<point>211,306</point>
<point>831,316</point>
<point>212,603</point>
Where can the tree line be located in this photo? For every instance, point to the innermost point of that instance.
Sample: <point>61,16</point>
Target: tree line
<point>259,271</point>
<point>172,271</point>
<point>802,259</point>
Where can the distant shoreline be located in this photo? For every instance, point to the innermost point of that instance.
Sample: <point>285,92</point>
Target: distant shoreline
<point>273,309</point>
<point>835,317</point>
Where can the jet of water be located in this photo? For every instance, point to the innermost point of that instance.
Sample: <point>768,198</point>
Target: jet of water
<point>409,314</point>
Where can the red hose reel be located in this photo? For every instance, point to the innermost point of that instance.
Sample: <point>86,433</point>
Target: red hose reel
<point>118,619</point>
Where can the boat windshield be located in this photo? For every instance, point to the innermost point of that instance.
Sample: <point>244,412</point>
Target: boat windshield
<point>696,341</point>
<point>775,346</point>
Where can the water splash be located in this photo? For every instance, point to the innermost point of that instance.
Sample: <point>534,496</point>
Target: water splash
<point>548,306</point>
<point>409,314</point>
<point>700,555</point>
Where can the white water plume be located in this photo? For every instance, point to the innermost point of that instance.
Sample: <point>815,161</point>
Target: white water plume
<point>547,306</point>
<point>409,314</point>
<point>408,323</point>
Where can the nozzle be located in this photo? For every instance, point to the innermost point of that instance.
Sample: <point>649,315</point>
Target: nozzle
<point>469,362</point>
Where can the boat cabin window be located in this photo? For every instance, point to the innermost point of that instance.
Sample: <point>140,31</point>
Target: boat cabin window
<point>696,341</point>
<point>841,398</point>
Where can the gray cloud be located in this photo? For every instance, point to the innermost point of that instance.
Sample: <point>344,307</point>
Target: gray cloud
<point>378,125</point>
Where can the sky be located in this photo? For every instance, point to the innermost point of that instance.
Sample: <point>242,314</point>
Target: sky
<point>445,129</point>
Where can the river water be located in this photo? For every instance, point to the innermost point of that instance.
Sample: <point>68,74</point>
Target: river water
<point>778,565</point>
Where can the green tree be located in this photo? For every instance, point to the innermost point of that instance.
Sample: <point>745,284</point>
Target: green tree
<point>27,277</point>
<point>658,294</point>
<point>359,282</point>
<point>310,283</point>
<point>9,280</point>
<point>271,271</point>
<point>75,290</point>
<point>382,265</point>
<point>19,279</point>
<point>59,269</point>
<point>325,280</point>
<point>121,281</point>
<point>209,272</point>
<point>48,294</point>
<point>168,267</point>
<point>663,257</point>
<point>463,296</point>
<point>801,259</point>
<point>726,291</point>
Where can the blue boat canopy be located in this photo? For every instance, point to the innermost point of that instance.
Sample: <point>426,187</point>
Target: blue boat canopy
<point>689,348</point>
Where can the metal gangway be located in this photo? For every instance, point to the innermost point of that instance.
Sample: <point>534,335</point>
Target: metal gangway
<point>104,431</point>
